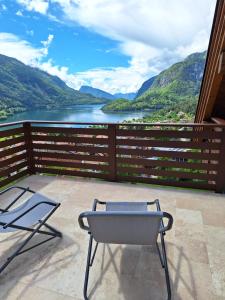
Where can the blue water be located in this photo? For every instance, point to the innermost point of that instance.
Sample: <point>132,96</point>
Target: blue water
<point>79,113</point>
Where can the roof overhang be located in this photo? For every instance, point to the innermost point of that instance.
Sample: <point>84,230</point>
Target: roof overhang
<point>211,104</point>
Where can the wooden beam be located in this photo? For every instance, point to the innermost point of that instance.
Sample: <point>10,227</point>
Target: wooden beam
<point>221,68</point>
<point>218,121</point>
<point>212,78</point>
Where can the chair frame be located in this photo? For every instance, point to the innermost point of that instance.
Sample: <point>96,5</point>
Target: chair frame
<point>52,232</point>
<point>162,253</point>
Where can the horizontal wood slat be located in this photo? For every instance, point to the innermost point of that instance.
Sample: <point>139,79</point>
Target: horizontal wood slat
<point>72,148</point>
<point>168,144</point>
<point>170,154</point>
<point>187,184</point>
<point>71,164</point>
<point>71,156</point>
<point>170,134</point>
<point>165,173</point>
<point>13,159</point>
<point>12,142</point>
<point>11,132</point>
<point>12,169</point>
<point>61,130</point>
<point>11,179</point>
<point>167,164</point>
<point>66,139</point>
<point>71,173</point>
<point>12,151</point>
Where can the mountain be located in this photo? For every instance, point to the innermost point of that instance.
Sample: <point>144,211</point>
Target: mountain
<point>96,92</point>
<point>103,94</point>
<point>145,86</point>
<point>128,96</point>
<point>24,88</point>
<point>180,82</point>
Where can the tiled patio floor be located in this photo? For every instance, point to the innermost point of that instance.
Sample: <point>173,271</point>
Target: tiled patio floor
<point>196,248</point>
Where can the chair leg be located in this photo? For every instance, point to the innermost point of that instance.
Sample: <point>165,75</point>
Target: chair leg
<point>166,267</point>
<point>88,267</point>
<point>160,255</point>
<point>52,229</point>
<point>26,241</point>
<point>17,252</point>
<point>93,256</point>
<point>8,261</point>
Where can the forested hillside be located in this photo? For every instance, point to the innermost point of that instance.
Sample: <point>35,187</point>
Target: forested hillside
<point>176,87</point>
<point>23,88</point>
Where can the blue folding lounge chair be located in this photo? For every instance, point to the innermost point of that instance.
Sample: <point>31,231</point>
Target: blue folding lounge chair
<point>30,216</point>
<point>126,223</point>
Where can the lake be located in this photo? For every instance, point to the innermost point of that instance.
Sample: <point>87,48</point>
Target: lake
<point>78,113</point>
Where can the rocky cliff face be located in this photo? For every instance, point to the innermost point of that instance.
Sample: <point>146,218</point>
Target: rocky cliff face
<point>191,69</point>
<point>145,86</point>
<point>180,82</point>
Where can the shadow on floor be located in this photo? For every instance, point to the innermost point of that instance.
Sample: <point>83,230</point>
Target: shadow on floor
<point>140,275</point>
<point>28,267</point>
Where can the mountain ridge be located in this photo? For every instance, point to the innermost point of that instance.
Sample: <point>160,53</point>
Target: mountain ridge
<point>179,82</point>
<point>103,94</point>
<point>145,86</point>
<point>96,92</point>
<point>128,96</point>
<point>24,88</point>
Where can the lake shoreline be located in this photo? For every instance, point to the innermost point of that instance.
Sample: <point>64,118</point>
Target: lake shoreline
<point>76,113</point>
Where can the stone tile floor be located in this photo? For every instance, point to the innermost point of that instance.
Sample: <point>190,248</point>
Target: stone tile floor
<point>55,270</point>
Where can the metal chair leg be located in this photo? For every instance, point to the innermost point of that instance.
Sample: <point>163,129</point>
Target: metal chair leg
<point>88,267</point>
<point>160,255</point>
<point>166,267</point>
<point>52,229</point>
<point>93,256</point>
<point>20,250</point>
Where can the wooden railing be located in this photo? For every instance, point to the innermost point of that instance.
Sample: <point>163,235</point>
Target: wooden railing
<point>183,155</point>
<point>13,153</point>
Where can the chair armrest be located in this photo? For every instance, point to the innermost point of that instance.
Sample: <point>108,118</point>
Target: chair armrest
<point>94,207</point>
<point>169,224</point>
<point>157,205</point>
<point>152,202</point>
<point>96,202</point>
<point>81,220</point>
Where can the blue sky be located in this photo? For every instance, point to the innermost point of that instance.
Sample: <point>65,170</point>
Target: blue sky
<point>110,44</point>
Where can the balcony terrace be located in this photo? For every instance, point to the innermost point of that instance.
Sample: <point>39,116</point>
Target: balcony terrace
<point>113,156</point>
<point>182,165</point>
<point>56,270</point>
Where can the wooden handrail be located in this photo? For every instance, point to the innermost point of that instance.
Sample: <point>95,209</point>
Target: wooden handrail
<point>109,123</point>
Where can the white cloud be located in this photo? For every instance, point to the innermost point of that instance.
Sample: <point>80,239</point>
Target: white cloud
<point>30,32</point>
<point>19,13</point>
<point>3,7</point>
<point>72,80</point>
<point>13,46</point>
<point>153,33</point>
<point>47,43</point>
<point>111,79</point>
<point>40,6</point>
<point>157,23</point>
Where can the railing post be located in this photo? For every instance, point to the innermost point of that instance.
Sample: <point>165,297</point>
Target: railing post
<point>112,152</point>
<point>220,182</point>
<point>29,147</point>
